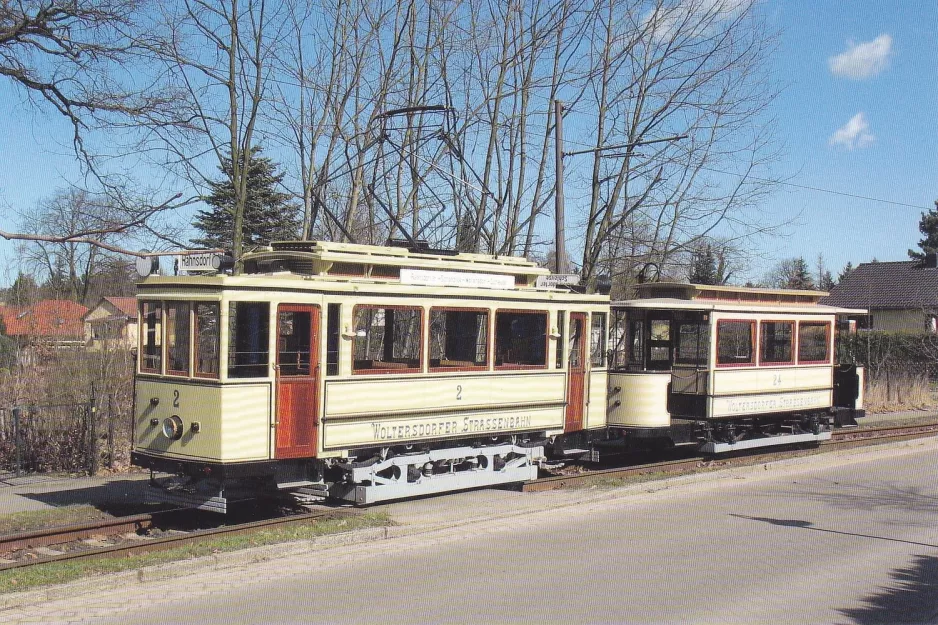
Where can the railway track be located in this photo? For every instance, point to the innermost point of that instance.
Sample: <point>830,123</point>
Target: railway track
<point>87,541</point>
<point>841,439</point>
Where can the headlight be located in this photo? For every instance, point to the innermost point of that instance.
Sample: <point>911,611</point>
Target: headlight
<point>172,428</point>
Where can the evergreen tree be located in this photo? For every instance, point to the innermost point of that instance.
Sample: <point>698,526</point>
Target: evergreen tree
<point>23,292</point>
<point>843,274</point>
<point>927,225</point>
<point>704,267</point>
<point>800,276</point>
<point>826,281</point>
<point>268,215</point>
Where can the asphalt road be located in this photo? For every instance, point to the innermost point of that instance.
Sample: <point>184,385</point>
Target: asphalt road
<point>854,543</point>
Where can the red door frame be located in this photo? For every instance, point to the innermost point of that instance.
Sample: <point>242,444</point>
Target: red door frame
<point>576,373</point>
<point>297,424</point>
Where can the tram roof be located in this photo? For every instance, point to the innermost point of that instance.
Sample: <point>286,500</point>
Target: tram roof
<point>321,256</point>
<point>671,303</point>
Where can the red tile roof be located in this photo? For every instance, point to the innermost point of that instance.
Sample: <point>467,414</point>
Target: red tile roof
<point>127,305</point>
<point>53,318</point>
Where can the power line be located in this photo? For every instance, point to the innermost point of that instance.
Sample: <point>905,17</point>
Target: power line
<point>801,186</point>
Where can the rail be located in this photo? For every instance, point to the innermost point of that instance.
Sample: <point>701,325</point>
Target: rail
<point>37,543</point>
<point>841,439</point>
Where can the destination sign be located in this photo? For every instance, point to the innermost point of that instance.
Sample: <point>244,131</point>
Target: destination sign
<point>198,263</point>
<point>557,279</point>
<point>425,277</point>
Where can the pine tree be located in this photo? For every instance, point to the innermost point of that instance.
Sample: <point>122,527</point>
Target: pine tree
<point>23,292</point>
<point>927,225</point>
<point>826,281</point>
<point>704,267</point>
<point>268,215</point>
<point>843,274</point>
<point>800,276</point>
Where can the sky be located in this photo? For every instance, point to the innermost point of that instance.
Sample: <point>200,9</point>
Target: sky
<point>856,115</point>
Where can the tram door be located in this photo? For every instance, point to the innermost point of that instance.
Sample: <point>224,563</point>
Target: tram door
<point>576,372</point>
<point>297,380</point>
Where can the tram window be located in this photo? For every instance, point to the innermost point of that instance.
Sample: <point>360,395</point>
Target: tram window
<point>598,340</point>
<point>734,342</point>
<point>458,339</point>
<point>387,339</point>
<point>520,339</point>
<point>248,339</point>
<point>207,339</point>
<point>177,338</point>
<point>561,316</point>
<point>332,339</point>
<point>659,344</point>
<point>636,343</point>
<point>618,339</point>
<point>813,342</point>
<point>151,337</point>
<point>776,342</point>
<point>294,342</point>
<point>693,343</point>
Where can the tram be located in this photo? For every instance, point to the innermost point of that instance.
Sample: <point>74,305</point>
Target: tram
<point>729,368</point>
<point>369,373</point>
<point>363,373</point>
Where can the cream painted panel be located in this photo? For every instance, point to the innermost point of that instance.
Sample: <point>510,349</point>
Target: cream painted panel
<point>246,431</point>
<point>861,374</point>
<point>643,399</point>
<point>195,402</point>
<point>389,431</point>
<point>596,408</point>
<point>766,403</point>
<point>367,395</point>
<point>739,381</point>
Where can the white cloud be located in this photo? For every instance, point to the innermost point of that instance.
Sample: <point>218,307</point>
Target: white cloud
<point>862,60</point>
<point>693,18</point>
<point>854,134</point>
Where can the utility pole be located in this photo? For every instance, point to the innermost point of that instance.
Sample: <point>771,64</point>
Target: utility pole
<point>560,251</point>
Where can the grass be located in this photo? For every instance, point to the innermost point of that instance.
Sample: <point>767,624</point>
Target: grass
<point>899,392</point>
<point>40,519</point>
<point>18,580</point>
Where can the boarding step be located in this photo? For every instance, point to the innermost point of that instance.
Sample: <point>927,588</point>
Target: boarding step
<point>297,484</point>
<point>768,441</point>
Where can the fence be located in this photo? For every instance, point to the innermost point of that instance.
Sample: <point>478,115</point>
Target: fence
<point>74,438</point>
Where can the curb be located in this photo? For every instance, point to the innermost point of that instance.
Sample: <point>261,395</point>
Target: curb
<point>253,555</point>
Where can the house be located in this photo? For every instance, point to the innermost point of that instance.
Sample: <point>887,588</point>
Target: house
<point>112,321</point>
<point>54,323</point>
<point>901,296</point>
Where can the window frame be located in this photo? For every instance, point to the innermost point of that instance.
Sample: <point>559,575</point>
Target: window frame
<point>792,342</point>
<point>489,343</point>
<point>233,306</point>
<point>603,345</point>
<point>195,342</point>
<point>753,340</point>
<point>142,334</point>
<point>827,342</point>
<point>421,332</point>
<point>513,366</point>
<point>177,373</point>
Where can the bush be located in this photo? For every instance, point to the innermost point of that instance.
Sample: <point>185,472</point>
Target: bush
<point>901,368</point>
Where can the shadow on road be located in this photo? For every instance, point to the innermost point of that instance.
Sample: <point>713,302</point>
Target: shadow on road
<point>859,496</point>
<point>808,525</point>
<point>911,598</point>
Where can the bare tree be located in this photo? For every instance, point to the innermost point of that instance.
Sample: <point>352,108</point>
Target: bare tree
<point>214,54</point>
<point>695,69</point>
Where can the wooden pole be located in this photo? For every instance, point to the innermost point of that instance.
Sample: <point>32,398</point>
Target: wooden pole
<point>560,252</point>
